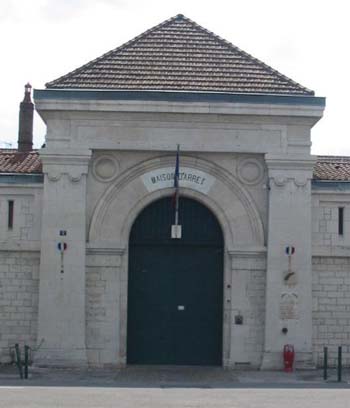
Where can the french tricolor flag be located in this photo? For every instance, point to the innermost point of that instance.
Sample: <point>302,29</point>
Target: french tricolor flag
<point>177,169</point>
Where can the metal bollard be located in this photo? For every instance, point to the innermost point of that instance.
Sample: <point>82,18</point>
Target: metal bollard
<point>339,363</point>
<point>325,363</point>
<point>18,361</point>
<point>26,361</point>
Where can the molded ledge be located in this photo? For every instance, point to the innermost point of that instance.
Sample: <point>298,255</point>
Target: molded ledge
<point>336,251</point>
<point>25,245</point>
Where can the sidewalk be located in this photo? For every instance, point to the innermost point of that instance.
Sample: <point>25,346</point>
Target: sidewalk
<point>170,377</point>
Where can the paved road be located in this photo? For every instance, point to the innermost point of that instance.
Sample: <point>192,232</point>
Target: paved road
<point>68,397</point>
<point>168,387</point>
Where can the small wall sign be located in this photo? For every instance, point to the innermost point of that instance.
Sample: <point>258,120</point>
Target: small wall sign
<point>61,246</point>
<point>188,177</point>
<point>290,250</point>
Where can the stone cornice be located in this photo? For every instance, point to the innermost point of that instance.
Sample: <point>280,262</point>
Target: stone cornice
<point>72,163</point>
<point>253,258</point>
<point>290,162</point>
<point>65,157</point>
<point>94,250</point>
<point>107,257</point>
<point>247,252</point>
<point>188,96</point>
<point>285,169</point>
<point>179,102</point>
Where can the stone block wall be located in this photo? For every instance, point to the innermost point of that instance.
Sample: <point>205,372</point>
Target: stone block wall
<point>254,344</point>
<point>103,310</point>
<point>26,214</point>
<point>331,307</point>
<point>19,290</point>
<point>325,212</point>
<point>247,298</point>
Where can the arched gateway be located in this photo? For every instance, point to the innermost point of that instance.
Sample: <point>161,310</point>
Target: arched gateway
<point>175,288</point>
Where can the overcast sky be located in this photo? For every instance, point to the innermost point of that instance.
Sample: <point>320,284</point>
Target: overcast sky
<point>306,40</point>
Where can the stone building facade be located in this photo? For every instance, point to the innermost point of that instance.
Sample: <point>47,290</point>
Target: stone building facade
<point>83,219</point>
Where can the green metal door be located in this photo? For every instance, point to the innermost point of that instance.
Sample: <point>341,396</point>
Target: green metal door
<point>175,287</point>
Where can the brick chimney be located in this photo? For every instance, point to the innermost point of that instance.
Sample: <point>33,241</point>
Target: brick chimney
<point>25,128</point>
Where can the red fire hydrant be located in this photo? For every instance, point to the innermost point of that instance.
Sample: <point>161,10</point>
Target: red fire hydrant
<point>288,357</point>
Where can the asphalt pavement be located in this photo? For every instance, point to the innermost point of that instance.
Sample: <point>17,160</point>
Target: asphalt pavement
<point>162,387</point>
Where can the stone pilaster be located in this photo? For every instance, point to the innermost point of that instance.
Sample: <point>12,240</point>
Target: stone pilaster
<point>288,285</point>
<point>245,299</point>
<point>105,317</point>
<point>61,326</point>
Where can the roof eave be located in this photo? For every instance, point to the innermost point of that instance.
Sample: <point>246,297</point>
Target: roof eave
<point>174,96</point>
<point>330,185</point>
<point>21,178</point>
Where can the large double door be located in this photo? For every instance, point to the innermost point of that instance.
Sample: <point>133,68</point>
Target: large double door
<point>175,287</point>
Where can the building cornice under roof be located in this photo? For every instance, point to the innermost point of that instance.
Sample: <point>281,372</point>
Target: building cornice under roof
<point>177,96</point>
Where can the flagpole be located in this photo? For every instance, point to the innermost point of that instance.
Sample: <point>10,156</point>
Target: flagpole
<point>176,232</point>
<point>177,187</point>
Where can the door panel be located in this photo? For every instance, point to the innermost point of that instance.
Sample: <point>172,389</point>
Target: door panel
<point>175,294</point>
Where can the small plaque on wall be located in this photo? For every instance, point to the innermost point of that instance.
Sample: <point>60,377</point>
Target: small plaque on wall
<point>289,306</point>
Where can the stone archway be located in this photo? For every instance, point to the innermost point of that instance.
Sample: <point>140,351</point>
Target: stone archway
<point>126,198</point>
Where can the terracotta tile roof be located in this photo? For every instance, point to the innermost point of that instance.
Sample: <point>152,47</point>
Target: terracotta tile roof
<point>12,161</point>
<point>332,168</point>
<point>179,55</point>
